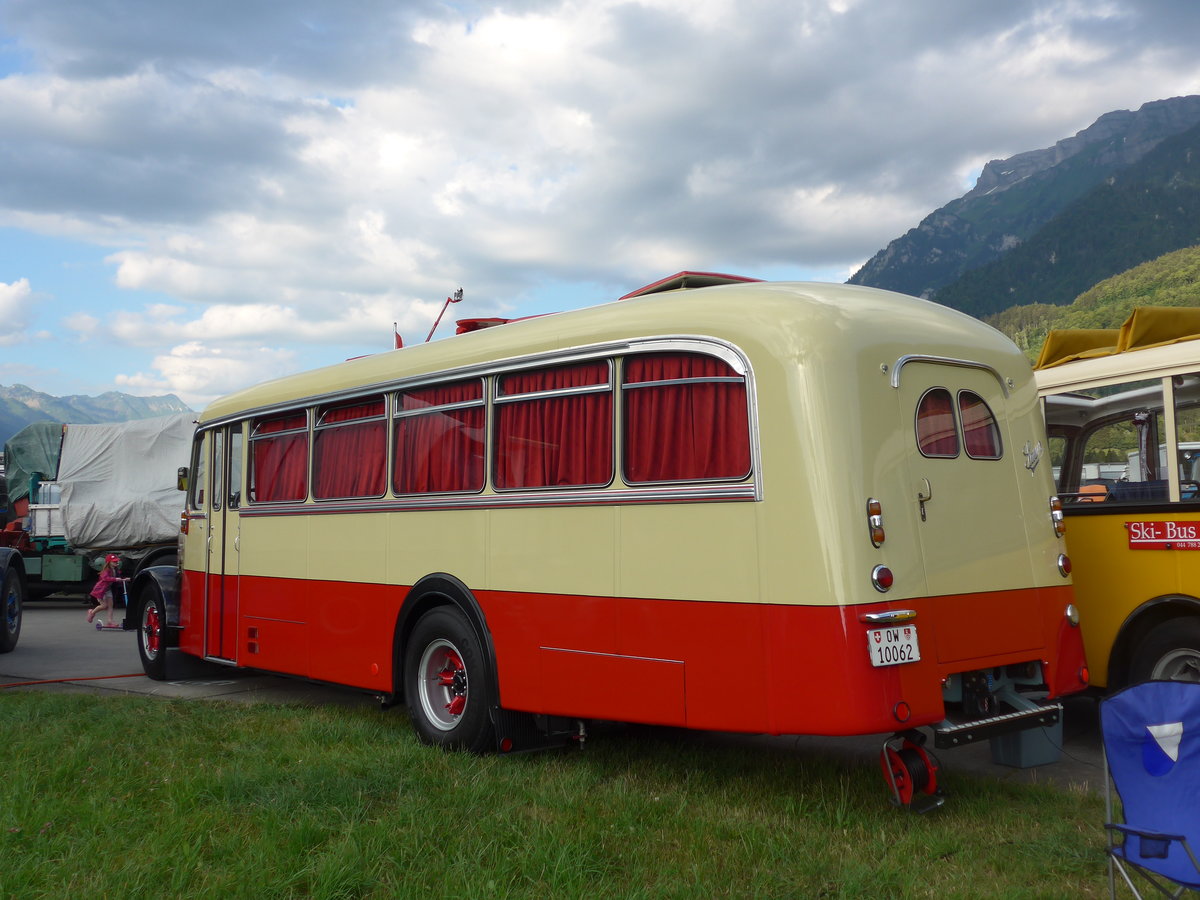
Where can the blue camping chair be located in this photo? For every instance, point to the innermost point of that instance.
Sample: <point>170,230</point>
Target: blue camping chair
<point>1151,735</point>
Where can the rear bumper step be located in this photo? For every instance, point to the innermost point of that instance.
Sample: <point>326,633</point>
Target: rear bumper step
<point>948,734</point>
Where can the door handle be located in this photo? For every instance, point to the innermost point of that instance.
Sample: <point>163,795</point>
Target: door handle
<point>924,495</point>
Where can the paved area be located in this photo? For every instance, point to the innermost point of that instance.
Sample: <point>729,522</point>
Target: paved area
<point>58,650</point>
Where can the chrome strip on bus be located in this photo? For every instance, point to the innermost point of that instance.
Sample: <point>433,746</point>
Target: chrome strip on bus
<point>888,618</point>
<point>689,494</point>
<point>946,361</point>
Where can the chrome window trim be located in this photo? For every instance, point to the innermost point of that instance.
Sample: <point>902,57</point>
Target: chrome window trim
<point>712,346</point>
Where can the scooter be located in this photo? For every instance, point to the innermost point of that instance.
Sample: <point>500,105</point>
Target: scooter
<point>116,626</point>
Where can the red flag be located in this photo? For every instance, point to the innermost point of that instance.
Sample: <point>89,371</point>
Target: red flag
<point>396,335</point>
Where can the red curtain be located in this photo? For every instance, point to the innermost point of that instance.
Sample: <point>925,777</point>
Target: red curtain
<point>442,449</point>
<point>936,435</point>
<point>981,434</point>
<point>695,430</point>
<point>350,460</point>
<point>554,441</point>
<point>280,463</point>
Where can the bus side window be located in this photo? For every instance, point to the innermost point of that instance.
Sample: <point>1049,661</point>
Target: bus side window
<point>350,450</point>
<point>685,418</point>
<point>439,439</point>
<point>279,458</point>
<point>235,467</point>
<point>554,427</point>
<point>199,474</point>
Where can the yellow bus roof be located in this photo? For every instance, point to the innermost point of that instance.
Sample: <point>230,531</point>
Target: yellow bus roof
<point>1146,327</point>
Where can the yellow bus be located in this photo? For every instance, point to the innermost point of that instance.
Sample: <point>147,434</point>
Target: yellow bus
<point>1122,411</point>
<point>743,506</point>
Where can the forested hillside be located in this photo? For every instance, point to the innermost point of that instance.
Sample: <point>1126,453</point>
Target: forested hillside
<point>1171,280</point>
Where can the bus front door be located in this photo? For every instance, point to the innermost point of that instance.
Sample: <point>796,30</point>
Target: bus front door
<point>222,566</point>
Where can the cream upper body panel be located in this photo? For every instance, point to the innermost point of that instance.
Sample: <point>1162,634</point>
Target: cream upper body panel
<point>823,363</point>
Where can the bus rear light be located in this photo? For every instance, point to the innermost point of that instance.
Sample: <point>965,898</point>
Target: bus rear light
<point>1056,517</point>
<point>882,579</point>
<point>183,522</point>
<point>1064,565</point>
<point>875,521</point>
<point>1085,677</point>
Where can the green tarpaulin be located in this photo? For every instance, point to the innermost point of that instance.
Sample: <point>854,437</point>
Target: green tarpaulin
<point>35,448</point>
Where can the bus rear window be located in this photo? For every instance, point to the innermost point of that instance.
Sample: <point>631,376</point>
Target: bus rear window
<point>279,458</point>
<point>685,419</point>
<point>439,439</point>
<point>936,434</point>
<point>981,434</point>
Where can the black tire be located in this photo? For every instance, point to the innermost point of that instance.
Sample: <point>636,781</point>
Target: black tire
<point>12,603</point>
<point>447,685</point>
<point>152,634</point>
<point>1171,652</point>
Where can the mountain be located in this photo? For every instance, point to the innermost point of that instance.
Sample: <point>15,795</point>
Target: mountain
<point>1139,213</point>
<point>1171,280</point>
<point>20,405</point>
<point>1015,198</point>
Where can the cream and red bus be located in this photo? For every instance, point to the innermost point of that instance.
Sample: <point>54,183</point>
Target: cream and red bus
<point>781,508</point>
<point>1122,410</point>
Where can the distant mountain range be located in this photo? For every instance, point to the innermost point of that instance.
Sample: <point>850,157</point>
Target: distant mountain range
<point>20,406</point>
<point>1045,225</point>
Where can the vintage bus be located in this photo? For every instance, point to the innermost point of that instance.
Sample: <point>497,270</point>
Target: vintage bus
<point>1122,411</point>
<point>744,506</point>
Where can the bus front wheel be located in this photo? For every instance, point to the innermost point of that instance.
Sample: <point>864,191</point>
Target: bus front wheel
<point>446,683</point>
<point>151,635</point>
<point>1170,652</point>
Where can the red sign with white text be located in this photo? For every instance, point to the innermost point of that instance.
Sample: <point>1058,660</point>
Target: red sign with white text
<point>1163,535</point>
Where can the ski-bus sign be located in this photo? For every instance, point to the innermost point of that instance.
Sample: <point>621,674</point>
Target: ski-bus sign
<point>1163,535</point>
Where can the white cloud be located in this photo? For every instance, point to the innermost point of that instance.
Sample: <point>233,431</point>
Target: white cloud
<point>315,173</point>
<point>16,302</point>
<point>198,373</point>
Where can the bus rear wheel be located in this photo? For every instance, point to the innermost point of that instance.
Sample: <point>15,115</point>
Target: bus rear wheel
<point>151,635</point>
<point>446,683</point>
<point>1170,652</point>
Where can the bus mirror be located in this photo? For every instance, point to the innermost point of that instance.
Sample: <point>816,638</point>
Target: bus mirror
<point>181,478</point>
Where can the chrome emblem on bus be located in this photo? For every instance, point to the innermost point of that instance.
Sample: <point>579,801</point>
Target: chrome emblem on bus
<point>1033,455</point>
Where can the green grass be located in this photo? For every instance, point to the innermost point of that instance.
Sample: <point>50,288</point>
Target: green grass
<point>132,797</point>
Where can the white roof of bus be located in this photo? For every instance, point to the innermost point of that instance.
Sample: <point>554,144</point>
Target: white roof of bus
<point>796,318</point>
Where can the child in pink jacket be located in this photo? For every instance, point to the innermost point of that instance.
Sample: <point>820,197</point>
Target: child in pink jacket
<point>102,592</point>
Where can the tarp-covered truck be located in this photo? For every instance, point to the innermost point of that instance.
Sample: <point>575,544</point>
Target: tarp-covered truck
<point>78,492</point>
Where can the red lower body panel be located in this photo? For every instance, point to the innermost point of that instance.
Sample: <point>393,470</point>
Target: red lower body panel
<point>717,666</point>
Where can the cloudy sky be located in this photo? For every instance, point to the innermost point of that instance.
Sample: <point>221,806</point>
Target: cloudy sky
<point>195,196</point>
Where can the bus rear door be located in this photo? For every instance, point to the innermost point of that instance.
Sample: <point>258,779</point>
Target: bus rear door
<point>964,485</point>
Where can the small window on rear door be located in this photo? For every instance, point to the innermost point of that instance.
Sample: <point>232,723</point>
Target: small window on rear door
<point>937,435</point>
<point>981,434</point>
